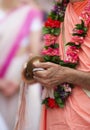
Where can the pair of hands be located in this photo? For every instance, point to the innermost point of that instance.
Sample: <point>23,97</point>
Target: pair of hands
<point>8,88</point>
<point>52,75</point>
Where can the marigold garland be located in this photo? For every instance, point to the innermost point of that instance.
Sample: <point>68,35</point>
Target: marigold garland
<point>50,52</point>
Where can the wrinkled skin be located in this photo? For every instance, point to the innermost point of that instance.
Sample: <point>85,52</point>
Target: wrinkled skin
<point>53,74</point>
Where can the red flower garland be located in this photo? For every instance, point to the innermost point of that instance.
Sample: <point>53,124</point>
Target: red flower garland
<point>52,23</point>
<point>51,50</point>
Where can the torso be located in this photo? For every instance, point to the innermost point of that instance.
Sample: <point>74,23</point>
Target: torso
<point>78,7</point>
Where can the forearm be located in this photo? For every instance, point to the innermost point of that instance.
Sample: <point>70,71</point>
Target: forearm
<point>79,78</point>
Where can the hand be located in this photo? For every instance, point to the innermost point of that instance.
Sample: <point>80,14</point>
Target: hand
<point>52,75</point>
<point>8,88</point>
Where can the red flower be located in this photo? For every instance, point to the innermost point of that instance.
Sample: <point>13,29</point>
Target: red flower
<point>52,23</point>
<point>78,31</point>
<point>51,52</point>
<point>52,103</point>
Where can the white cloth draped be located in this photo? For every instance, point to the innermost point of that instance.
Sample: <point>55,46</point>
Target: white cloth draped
<point>9,106</point>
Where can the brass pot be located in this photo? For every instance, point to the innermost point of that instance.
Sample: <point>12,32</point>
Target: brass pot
<point>27,74</point>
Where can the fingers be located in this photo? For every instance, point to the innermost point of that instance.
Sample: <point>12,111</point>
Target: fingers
<point>42,81</point>
<point>45,65</point>
<point>41,74</point>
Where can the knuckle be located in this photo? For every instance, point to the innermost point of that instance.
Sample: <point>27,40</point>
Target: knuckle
<point>48,83</point>
<point>45,75</point>
<point>49,63</point>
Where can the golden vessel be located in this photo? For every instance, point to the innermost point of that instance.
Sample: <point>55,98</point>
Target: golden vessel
<point>27,74</point>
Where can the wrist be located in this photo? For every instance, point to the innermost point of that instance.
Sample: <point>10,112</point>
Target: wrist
<point>66,74</point>
<point>71,75</point>
<point>80,78</point>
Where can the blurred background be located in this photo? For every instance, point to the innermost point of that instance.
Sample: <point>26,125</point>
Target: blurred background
<point>21,23</point>
<point>45,4</point>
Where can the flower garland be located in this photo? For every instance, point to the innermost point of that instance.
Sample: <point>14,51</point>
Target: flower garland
<point>50,52</point>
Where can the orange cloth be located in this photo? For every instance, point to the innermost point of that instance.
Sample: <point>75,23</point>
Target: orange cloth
<point>76,114</point>
<point>79,6</point>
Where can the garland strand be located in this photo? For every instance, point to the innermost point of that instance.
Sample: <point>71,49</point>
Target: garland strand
<point>50,52</point>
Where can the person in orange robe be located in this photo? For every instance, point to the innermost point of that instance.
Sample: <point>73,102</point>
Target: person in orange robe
<point>76,113</point>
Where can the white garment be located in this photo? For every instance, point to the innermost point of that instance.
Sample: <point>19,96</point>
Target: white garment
<point>2,14</point>
<point>2,124</point>
<point>33,107</point>
<point>35,26</point>
<point>8,106</point>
